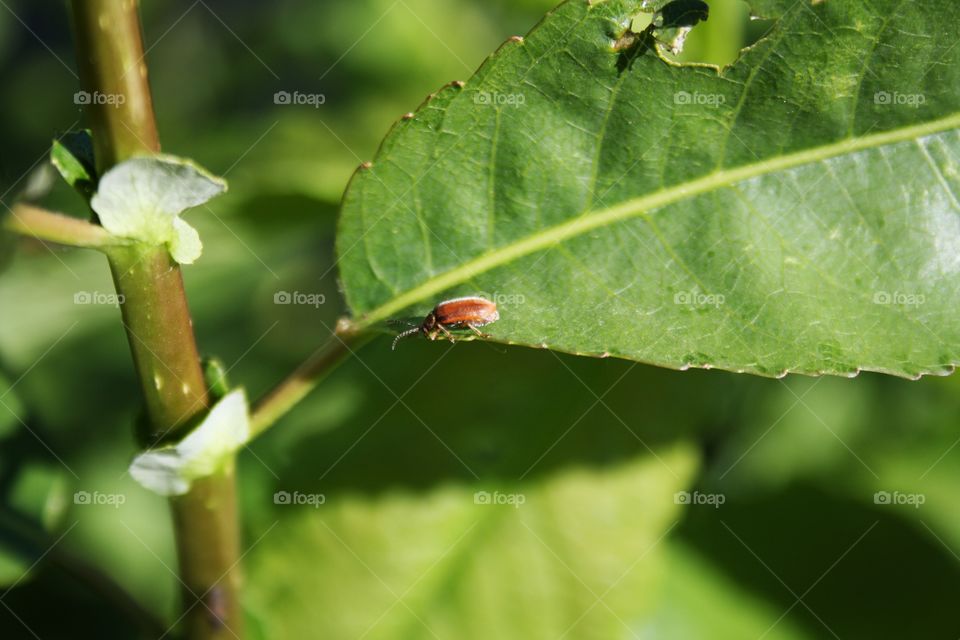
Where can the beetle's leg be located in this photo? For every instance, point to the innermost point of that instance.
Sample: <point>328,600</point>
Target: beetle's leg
<point>446,333</point>
<point>478,332</point>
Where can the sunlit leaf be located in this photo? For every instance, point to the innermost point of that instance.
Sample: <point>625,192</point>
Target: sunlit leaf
<point>521,561</point>
<point>797,211</point>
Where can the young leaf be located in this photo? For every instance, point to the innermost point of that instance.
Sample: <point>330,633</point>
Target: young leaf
<point>142,199</point>
<point>795,212</point>
<point>215,375</point>
<point>72,155</point>
<point>170,470</point>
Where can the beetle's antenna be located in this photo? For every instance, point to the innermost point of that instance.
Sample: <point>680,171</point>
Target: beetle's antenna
<point>404,334</point>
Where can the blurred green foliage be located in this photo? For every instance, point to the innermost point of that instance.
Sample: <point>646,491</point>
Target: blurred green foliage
<point>398,443</point>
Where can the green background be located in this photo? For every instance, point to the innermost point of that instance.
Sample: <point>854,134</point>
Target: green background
<point>399,549</point>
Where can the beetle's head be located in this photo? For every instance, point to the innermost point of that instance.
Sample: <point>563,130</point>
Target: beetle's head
<point>429,323</point>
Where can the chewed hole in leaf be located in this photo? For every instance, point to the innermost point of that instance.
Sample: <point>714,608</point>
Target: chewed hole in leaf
<point>664,25</point>
<point>691,31</point>
<point>718,41</point>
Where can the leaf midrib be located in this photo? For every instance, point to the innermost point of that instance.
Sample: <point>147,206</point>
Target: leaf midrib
<point>638,206</point>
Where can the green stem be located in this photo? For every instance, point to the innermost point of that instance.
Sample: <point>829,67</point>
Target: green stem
<point>213,576</point>
<point>34,222</point>
<point>160,333</point>
<point>298,384</point>
<point>157,320</point>
<point>112,65</point>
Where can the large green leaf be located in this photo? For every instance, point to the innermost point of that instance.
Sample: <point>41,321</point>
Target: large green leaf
<point>698,602</point>
<point>796,212</point>
<point>578,556</point>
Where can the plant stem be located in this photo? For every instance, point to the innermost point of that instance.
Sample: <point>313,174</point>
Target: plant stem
<point>157,320</point>
<point>159,330</point>
<point>298,384</point>
<point>34,222</point>
<point>112,64</point>
<point>213,577</point>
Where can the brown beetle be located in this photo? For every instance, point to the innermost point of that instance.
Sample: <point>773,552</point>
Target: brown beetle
<point>469,312</point>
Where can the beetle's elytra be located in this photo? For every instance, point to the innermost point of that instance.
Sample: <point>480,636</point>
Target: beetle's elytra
<point>469,312</point>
